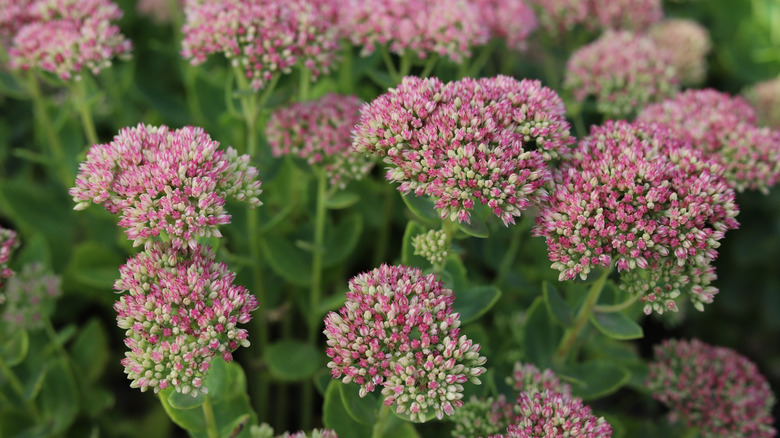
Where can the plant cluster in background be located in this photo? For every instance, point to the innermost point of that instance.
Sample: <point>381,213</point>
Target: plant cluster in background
<point>478,218</point>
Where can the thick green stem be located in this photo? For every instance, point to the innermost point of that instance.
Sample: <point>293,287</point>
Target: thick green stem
<point>406,64</point>
<point>211,423</point>
<point>317,256</point>
<point>429,66</point>
<point>482,59</point>
<point>511,252</point>
<point>304,84</point>
<point>381,423</point>
<point>573,332</point>
<point>260,320</point>
<point>616,307</point>
<point>42,115</point>
<point>390,65</point>
<point>380,249</point>
<point>16,384</point>
<point>79,91</point>
<point>346,84</point>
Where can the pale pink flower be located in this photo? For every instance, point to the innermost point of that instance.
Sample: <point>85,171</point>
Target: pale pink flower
<point>476,140</point>
<point>637,198</point>
<point>66,37</point>
<point>397,330</point>
<point>688,42</point>
<point>765,98</point>
<point>158,10</point>
<point>510,20</point>
<point>554,415</point>
<point>558,17</point>
<point>623,71</point>
<point>8,244</point>
<point>13,15</point>
<point>320,131</point>
<point>634,15</point>
<point>180,311</point>
<point>482,417</point>
<point>714,389</point>
<point>169,185</point>
<point>262,38</point>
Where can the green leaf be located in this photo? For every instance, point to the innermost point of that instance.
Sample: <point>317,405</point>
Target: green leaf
<point>219,380</point>
<point>63,336</point>
<point>541,335</point>
<point>321,380</point>
<point>10,86</point>
<point>90,351</point>
<point>292,360</point>
<point>291,263</point>
<point>458,281</point>
<point>34,384</point>
<point>182,401</point>
<point>190,420</point>
<point>97,400</point>
<point>475,227</point>
<point>408,258</point>
<point>395,427</point>
<point>616,325</point>
<point>556,305</point>
<point>341,241</point>
<point>58,396</point>
<point>422,207</point>
<point>34,250</point>
<point>363,410</point>
<point>331,303</point>
<point>600,378</point>
<point>14,350</point>
<point>475,302</point>
<point>94,264</point>
<point>336,417</point>
<point>342,199</point>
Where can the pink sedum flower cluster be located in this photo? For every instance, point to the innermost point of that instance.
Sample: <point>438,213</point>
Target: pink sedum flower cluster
<point>526,377</point>
<point>623,71</point>
<point>511,20</point>
<point>29,297</point>
<point>765,99</point>
<point>551,414</point>
<point>158,11</point>
<point>181,310</point>
<point>8,244</point>
<point>262,38</point>
<point>14,14</point>
<point>320,132</point>
<point>398,331</point>
<point>636,197</point>
<point>723,128</point>
<point>561,16</point>
<point>165,184</point>
<point>475,140</point>
<point>448,28</point>
<point>66,37</point>
<point>715,389</point>
<point>688,42</point>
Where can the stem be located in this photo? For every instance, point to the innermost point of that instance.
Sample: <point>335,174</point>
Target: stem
<point>79,91</point>
<point>346,85</point>
<point>390,65</point>
<point>571,334</point>
<point>52,334</point>
<point>42,115</point>
<point>511,252</point>
<point>616,307</point>
<point>304,84</point>
<point>261,325</point>
<point>380,250</point>
<point>384,413</point>
<point>406,64</point>
<point>211,423</point>
<point>319,241</point>
<point>16,384</point>
<point>482,59</point>
<point>429,66</point>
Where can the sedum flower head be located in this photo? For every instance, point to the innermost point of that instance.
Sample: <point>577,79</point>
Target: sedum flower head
<point>65,37</point>
<point>688,42</point>
<point>29,297</point>
<point>320,132</point>
<point>526,377</point>
<point>765,98</point>
<point>549,414</point>
<point>14,14</point>
<point>510,20</point>
<point>8,244</point>
<point>722,127</point>
<point>475,140</point>
<point>447,28</point>
<point>634,15</point>
<point>181,310</point>
<point>623,71</point>
<point>558,17</point>
<point>432,245</point>
<point>636,197</point>
<point>712,388</point>
<point>397,330</point>
<point>482,417</point>
<point>262,38</point>
<point>165,184</point>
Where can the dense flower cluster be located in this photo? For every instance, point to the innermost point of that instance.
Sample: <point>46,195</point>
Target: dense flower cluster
<point>623,71</point>
<point>637,198</point>
<point>65,37</point>
<point>448,28</point>
<point>158,10</point>
<point>723,128</point>
<point>526,377</point>
<point>715,389</point>
<point>554,415</point>
<point>482,417</point>
<point>397,330</point>
<point>165,184</point>
<point>432,245</point>
<point>13,15</point>
<point>511,20</point>
<point>181,310</point>
<point>262,38</point>
<point>29,297</point>
<point>320,132</point>
<point>765,98</point>
<point>266,431</point>
<point>485,140</point>
<point>688,42</point>
<point>8,243</point>
<point>561,16</point>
